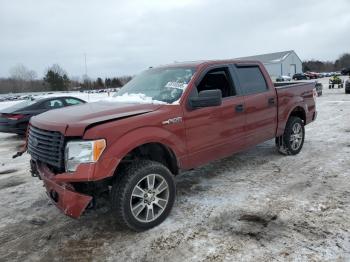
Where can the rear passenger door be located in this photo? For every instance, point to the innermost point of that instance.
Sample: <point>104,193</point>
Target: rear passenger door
<point>260,103</point>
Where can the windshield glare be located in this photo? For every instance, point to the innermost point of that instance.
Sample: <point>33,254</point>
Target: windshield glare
<point>159,85</point>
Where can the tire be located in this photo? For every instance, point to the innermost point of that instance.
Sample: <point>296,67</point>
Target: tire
<point>126,195</point>
<point>291,142</point>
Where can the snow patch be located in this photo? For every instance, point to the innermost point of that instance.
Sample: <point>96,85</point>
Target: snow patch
<point>133,98</point>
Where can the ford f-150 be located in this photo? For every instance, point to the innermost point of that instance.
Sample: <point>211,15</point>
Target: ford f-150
<point>166,120</point>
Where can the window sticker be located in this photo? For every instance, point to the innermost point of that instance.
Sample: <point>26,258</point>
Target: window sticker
<point>176,85</point>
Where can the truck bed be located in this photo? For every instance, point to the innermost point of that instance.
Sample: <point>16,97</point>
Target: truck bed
<point>291,84</point>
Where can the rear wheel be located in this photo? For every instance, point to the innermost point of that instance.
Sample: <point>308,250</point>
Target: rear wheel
<point>291,142</point>
<point>144,195</point>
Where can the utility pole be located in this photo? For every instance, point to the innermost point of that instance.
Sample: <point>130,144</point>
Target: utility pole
<point>86,80</point>
<point>85,65</point>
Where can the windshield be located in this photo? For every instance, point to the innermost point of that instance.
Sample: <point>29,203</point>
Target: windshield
<point>160,85</point>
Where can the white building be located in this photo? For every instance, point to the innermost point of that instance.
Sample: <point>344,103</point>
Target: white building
<point>285,63</point>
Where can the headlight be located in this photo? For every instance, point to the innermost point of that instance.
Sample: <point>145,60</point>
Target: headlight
<point>78,152</point>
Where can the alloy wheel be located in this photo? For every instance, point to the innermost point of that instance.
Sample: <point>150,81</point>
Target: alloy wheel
<point>296,137</point>
<point>149,198</point>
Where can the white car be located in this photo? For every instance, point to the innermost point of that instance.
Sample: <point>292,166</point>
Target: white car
<point>283,78</point>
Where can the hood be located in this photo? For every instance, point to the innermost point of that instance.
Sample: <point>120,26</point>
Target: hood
<point>73,120</point>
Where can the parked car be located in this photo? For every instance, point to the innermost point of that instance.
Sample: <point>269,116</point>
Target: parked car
<point>299,76</point>
<point>15,119</point>
<point>345,71</point>
<point>283,78</point>
<point>311,75</point>
<point>347,86</point>
<point>326,74</point>
<point>319,88</point>
<point>167,119</point>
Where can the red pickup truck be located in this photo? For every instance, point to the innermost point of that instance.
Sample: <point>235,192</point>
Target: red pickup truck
<point>166,120</point>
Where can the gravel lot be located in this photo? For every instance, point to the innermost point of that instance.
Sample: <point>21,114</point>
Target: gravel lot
<point>256,205</point>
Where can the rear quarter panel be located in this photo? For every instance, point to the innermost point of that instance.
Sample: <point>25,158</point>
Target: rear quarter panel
<point>292,96</point>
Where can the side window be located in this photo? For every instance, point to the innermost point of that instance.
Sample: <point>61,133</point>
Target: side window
<point>51,104</point>
<point>251,80</point>
<point>72,101</point>
<point>218,78</point>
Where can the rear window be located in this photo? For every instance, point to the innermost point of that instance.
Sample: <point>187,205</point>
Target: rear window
<point>21,105</point>
<point>251,79</point>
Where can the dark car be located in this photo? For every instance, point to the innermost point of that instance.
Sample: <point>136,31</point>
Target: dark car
<point>347,86</point>
<point>299,76</point>
<point>15,119</point>
<point>345,71</point>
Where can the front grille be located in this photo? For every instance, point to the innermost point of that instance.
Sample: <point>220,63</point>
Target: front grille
<point>47,147</point>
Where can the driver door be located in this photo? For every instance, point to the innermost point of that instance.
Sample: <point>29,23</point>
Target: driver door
<point>215,132</point>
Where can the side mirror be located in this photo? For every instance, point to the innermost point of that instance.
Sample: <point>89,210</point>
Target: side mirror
<point>207,98</point>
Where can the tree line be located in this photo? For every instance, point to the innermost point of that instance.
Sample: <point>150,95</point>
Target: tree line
<point>56,78</point>
<point>327,66</point>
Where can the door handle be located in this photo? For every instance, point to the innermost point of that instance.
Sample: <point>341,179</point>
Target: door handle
<point>239,108</point>
<point>271,101</point>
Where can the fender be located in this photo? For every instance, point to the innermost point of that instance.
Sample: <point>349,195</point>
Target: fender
<point>285,116</point>
<point>131,140</point>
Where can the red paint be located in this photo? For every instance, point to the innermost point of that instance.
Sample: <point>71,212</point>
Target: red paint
<point>204,134</point>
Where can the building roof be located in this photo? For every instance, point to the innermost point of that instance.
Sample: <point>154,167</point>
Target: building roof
<point>269,58</point>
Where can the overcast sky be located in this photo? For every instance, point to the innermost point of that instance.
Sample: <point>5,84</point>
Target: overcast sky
<point>124,37</point>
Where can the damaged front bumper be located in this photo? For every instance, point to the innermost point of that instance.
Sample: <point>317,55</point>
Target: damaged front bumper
<point>62,194</point>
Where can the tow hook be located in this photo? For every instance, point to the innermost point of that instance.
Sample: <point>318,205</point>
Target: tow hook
<point>17,154</point>
<point>34,170</point>
<point>92,204</point>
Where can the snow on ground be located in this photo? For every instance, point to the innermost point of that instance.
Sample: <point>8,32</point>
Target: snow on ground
<point>253,206</point>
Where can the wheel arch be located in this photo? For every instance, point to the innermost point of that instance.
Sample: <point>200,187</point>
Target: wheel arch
<point>155,151</point>
<point>298,111</point>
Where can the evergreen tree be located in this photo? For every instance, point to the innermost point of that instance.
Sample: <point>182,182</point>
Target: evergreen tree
<point>57,78</point>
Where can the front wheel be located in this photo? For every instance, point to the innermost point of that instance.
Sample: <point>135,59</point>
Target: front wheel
<point>292,141</point>
<point>144,195</point>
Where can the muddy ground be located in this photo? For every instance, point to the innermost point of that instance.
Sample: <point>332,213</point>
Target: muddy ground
<point>256,205</point>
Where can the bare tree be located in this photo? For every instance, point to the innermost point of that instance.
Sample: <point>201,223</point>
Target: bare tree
<point>20,72</point>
